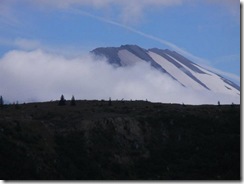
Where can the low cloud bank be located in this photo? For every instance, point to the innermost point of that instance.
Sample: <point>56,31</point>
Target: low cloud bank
<point>31,76</point>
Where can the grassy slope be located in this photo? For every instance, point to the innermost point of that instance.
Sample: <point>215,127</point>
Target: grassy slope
<point>127,140</point>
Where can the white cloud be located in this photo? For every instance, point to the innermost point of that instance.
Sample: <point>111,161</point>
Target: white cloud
<point>74,51</point>
<point>27,76</point>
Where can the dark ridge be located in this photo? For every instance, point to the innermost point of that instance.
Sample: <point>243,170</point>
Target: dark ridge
<point>111,53</point>
<point>184,61</point>
<point>227,88</point>
<point>142,54</point>
<point>230,83</point>
<point>163,54</point>
<point>195,79</point>
<point>120,140</point>
<point>190,64</point>
<point>187,72</point>
<point>138,51</point>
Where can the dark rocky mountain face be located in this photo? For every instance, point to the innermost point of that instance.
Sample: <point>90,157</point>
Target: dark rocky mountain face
<point>111,53</point>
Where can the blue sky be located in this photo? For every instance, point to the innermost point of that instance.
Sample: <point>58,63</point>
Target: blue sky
<point>209,30</point>
<point>205,31</point>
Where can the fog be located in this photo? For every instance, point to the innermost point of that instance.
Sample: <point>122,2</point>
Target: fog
<point>37,76</point>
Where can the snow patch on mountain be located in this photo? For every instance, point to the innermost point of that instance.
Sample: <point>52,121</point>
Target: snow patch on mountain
<point>209,79</point>
<point>216,83</point>
<point>188,74</point>
<point>181,76</point>
<point>127,58</point>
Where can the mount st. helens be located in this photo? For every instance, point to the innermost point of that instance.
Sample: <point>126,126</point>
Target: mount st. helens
<point>178,67</point>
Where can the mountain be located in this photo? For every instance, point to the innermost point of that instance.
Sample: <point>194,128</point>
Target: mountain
<point>182,70</point>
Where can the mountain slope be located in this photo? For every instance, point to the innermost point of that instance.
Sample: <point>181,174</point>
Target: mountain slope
<point>179,68</point>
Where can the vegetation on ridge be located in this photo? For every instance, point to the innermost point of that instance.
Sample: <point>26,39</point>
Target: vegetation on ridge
<point>125,140</point>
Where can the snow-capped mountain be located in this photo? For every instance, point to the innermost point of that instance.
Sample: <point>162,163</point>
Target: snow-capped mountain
<point>181,69</point>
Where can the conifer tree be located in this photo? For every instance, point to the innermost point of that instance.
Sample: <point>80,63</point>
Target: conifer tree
<point>218,103</point>
<point>110,101</point>
<point>1,101</point>
<point>72,102</point>
<point>62,101</point>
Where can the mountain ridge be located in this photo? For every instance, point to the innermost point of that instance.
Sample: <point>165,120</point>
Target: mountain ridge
<point>178,67</point>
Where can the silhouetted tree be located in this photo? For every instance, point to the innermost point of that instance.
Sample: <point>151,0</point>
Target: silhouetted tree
<point>72,102</point>
<point>16,105</point>
<point>1,101</point>
<point>218,103</point>
<point>62,101</point>
<point>110,101</point>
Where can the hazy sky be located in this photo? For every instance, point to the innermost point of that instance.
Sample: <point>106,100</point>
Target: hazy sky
<point>206,31</point>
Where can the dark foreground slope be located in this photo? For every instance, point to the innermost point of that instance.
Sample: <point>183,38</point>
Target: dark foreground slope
<point>126,141</point>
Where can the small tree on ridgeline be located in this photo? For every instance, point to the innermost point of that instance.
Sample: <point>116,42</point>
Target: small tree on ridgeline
<point>218,103</point>
<point>72,102</point>
<point>62,101</point>
<point>110,101</point>
<point>1,101</point>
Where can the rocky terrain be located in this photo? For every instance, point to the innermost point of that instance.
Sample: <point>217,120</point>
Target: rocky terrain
<point>119,140</point>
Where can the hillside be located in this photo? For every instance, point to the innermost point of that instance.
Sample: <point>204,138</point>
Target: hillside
<point>127,140</point>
